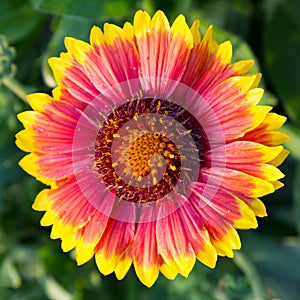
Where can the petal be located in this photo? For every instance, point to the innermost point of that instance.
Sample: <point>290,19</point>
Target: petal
<point>25,140</point>
<point>145,254</point>
<point>114,242</point>
<point>197,235</point>
<point>29,163</point>
<point>280,158</point>
<point>272,122</point>
<point>228,105</point>
<point>224,53</point>
<point>242,67</point>
<point>219,204</point>
<point>277,184</point>
<point>39,101</point>
<point>173,243</point>
<point>266,132</point>
<point>220,214</point>
<point>181,237</point>
<point>256,206</point>
<point>114,60</point>
<point>90,236</point>
<point>42,201</point>
<point>237,182</point>
<point>163,50</point>
<point>226,242</point>
<point>247,157</point>
<point>72,80</point>
<point>123,267</point>
<point>71,204</point>
<point>243,152</point>
<point>268,138</point>
<point>201,58</point>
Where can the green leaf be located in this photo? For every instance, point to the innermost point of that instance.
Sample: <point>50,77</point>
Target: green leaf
<point>233,16</point>
<point>54,290</point>
<point>241,50</point>
<point>245,264</point>
<point>9,276</point>
<point>268,99</point>
<point>172,8</point>
<point>273,255</point>
<point>26,258</point>
<point>294,142</point>
<point>9,154</point>
<point>236,287</point>
<point>17,19</point>
<point>297,197</point>
<point>64,26</point>
<point>278,261</point>
<point>92,9</point>
<point>281,50</point>
<point>293,8</point>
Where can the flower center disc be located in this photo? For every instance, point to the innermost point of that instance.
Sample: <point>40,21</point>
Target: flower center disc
<point>138,159</point>
<point>143,149</point>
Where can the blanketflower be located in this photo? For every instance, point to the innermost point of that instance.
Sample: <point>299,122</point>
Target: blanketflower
<point>154,148</point>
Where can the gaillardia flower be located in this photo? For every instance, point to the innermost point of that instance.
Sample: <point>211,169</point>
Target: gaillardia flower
<point>153,146</point>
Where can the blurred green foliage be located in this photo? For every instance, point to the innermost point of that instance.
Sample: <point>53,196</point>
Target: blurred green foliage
<point>33,267</point>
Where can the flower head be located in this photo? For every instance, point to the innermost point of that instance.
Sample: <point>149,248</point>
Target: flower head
<point>153,146</point>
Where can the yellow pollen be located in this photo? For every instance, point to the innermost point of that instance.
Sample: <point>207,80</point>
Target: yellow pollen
<point>144,147</point>
<point>173,168</point>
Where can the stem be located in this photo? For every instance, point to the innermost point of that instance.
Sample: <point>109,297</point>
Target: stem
<point>16,87</point>
<point>251,273</point>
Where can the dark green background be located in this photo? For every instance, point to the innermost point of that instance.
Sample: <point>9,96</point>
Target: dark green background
<point>34,267</point>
